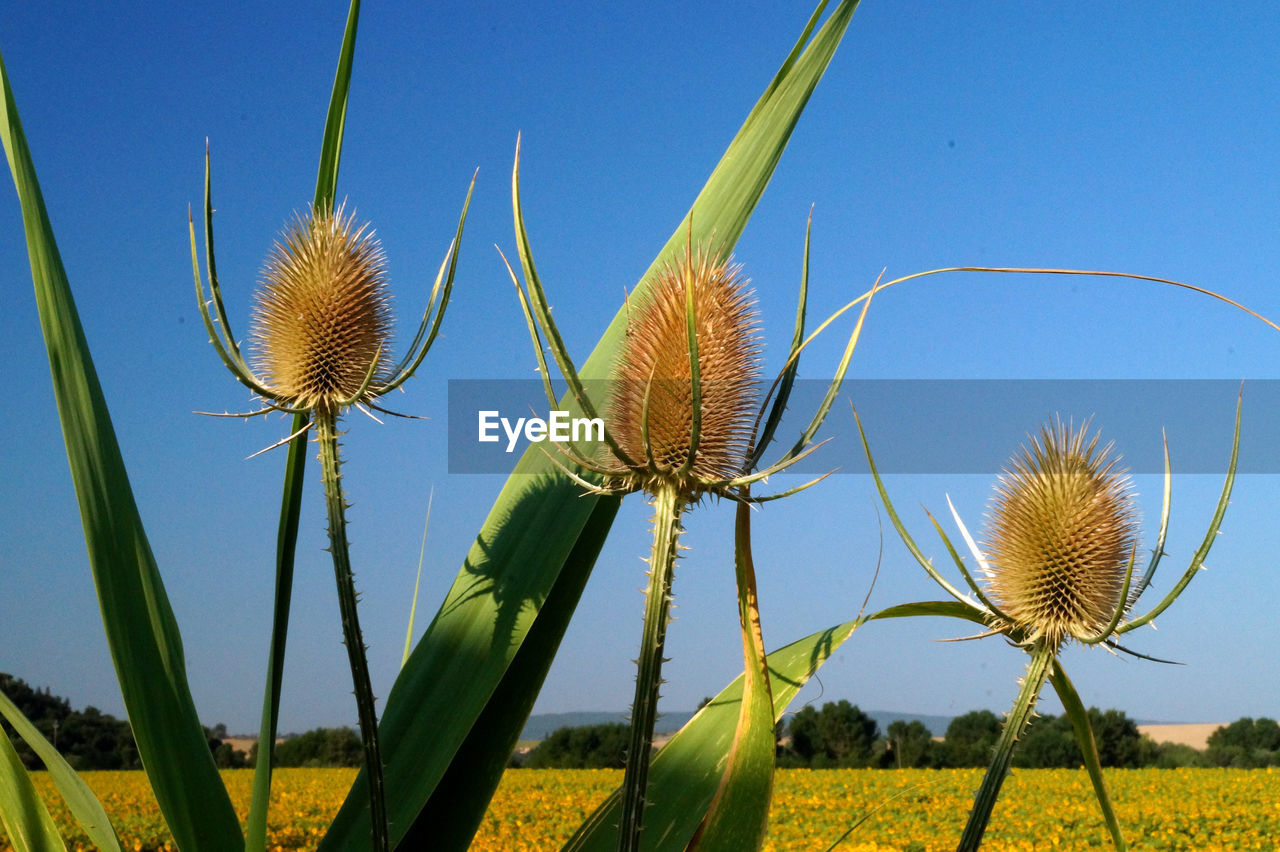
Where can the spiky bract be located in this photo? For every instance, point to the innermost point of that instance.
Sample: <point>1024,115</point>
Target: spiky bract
<point>653,394</point>
<point>323,312</point>
<point>1061,531</point>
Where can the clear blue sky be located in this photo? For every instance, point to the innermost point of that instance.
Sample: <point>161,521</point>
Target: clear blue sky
<point>1138,137</point>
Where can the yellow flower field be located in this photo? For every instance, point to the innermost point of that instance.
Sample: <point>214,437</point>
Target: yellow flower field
<point>921,810</point>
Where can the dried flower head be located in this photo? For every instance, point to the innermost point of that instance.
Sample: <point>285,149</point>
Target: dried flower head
<point>1061,530</point>
<point>651,410</point>
<point>323,313</point>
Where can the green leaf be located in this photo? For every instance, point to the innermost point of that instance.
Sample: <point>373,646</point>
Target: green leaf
<point>84,806</point>
<point>739,813</point>
<point>539,520</point>
<point>455,811</point>
<point>687,771</point>
<point>142,634</point>
<point>295,471</point>
<point>1088,747</point>
<point>336,121</point>
<point>22,812</point>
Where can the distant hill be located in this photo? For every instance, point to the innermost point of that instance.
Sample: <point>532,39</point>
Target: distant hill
<point>541,725</point>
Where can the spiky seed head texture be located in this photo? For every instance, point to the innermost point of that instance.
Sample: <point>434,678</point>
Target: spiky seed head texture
<point>323,311</point>
<point>1061,529</point>
<point>655,361</point>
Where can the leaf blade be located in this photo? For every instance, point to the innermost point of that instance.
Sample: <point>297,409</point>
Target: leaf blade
<point>81,801</point>
<point>23,813</point>
<point>142,634</point>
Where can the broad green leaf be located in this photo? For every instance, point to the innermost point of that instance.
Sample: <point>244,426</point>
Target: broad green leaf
<point>455,811</point>
<point>23,813</point>
<point>515,566</point>
<point>689,768</point>
<point>142,634</point>
<point>739,812</point>
<point>84,806</point>
<point>295,470</point>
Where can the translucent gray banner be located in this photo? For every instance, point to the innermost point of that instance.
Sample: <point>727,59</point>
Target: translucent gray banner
<point>926,426</point>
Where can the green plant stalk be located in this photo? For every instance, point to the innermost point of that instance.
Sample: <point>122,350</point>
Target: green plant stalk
<point>1042,657</point>
<point>327,435</point>
<point>667,508</point>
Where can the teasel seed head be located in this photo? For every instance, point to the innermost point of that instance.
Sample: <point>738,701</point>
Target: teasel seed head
<point>1061,530</point>
<point>655,362</point>
<point>323,312</point>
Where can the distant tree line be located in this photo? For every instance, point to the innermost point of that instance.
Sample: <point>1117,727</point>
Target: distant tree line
<point>319,747</point>
<point>90,739</point>
<point>839,734</point>
<point>583,747</point>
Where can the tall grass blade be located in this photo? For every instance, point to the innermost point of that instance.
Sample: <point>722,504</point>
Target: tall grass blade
<point>515,565</point>
<point>23,813</point>
<point>336,121</point>
<point>295,470</point>
<point>84,806</point>
<point>142,633</point>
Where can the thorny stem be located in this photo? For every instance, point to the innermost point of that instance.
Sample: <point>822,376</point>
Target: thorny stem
<point>644,710</point>
<point>327,435</point>
<point>1042,657</point>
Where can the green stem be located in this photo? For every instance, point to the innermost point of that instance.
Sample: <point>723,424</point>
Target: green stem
<point>327,434</point>
<point>1042,656</point>
<point>644,710</point>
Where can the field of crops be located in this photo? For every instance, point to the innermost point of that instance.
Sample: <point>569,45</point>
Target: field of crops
<point>919,810</point>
